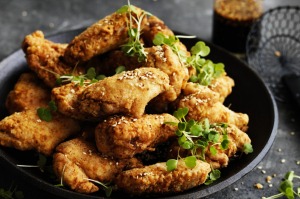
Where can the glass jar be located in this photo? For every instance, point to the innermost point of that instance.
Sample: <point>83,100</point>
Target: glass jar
<point>232,21</point>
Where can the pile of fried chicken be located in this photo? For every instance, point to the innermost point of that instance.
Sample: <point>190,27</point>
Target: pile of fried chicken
<point>114,130</point>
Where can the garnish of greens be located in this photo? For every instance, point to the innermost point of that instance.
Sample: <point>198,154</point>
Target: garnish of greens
<point>46,113</point>
<point>205,69</point>
<point>89,78</point>
<point>197,137</point>
<point>134,47</point>
<point>11,193</point>
<point>286,187</point>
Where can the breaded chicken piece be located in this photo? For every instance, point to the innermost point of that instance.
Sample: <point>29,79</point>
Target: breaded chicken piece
<point>155,178</point>
<point>26,131</point>
<point>77,160</point>
<point>66,99</point>
<point>163,58</point>
<point>237,140</point>
<point>205,104</point>
<point>44,57</point>
<point>29,93</point>
<point>222,85</point>
<point>123,137</point>
<point>125,93</point>
<point>107,34</point>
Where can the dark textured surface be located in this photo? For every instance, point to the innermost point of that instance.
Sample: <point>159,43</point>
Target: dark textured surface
<point>21,17</point>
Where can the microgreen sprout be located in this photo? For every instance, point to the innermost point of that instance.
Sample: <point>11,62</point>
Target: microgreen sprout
<point>89,78</point>
<point>205,69</point>
<point>197,137</point>
<point>134,47</point>
<point>107,189</point>
<point>46,113</point>
<point>11,193</point>
<point>286,187</point>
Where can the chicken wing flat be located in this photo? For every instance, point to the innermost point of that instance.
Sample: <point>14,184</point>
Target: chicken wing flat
<point>44,57</point>
<point>26,131</point>
<point>123,137</point>
<point>29,93</point>
<point>77,160</point>
<point>156,179</point>
<point>202,105</point>
<point>125,93</point>
<point>107,34</point>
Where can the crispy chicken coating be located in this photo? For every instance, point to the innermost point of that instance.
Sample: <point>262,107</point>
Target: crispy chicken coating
<point>29,93</point>
<point>77,160</point>
<point>107,34</point>
<point>205,104</point>
<point>25,131</point>
<point>156,179</point>
<point>123,137</point>
<point>237,140</point>
<point>125,93</point>
<point>44,57</point>
<point>222,85</point>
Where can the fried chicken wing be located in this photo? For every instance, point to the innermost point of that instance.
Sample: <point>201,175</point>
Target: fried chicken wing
<point>237,139</point>
<point>156,179</point>
<point>123,137</point>
<point>107,34</point>
<point>29,93</point>
<point>202,105</point>
<point>44,57</point>
<point>125,93</point>
<point>77,160</point>
<point>25,131</point>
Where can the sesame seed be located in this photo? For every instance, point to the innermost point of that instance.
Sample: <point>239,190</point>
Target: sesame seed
<point>298,162</point>
<point>263,171</point>
<point>236,189</point>
<point>282,160</point>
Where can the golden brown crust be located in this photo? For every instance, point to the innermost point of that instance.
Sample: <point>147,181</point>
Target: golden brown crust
<point>156,179</point>
<point>26,131</point>
<point>123,137</point>
<point>204,103</point>
<point>44,57</point>
<point>222,85</point>
<point>107,34</point>
<point>29,93</point>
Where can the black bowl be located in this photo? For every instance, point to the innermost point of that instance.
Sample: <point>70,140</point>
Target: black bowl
<point>250,95</point>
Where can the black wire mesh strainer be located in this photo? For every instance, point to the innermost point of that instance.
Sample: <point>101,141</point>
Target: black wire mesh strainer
<point>273,47</point>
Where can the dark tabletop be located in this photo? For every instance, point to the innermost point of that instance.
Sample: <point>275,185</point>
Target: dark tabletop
<point>21,17</point>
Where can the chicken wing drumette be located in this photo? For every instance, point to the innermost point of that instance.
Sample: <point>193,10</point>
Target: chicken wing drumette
<point>123,137</point>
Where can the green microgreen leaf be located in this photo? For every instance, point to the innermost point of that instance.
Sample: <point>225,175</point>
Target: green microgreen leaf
<point>190,161</point>
<point>44,114</point>
<point>171,164</point>
<point>181,113</point>
<point>91,73</point>
<point>213,150</point>
<point>247,148</point>
<point>213,176</point>
<point>120,69</point>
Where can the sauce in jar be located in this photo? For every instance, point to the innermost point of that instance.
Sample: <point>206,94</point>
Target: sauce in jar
<point>232,21</point>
